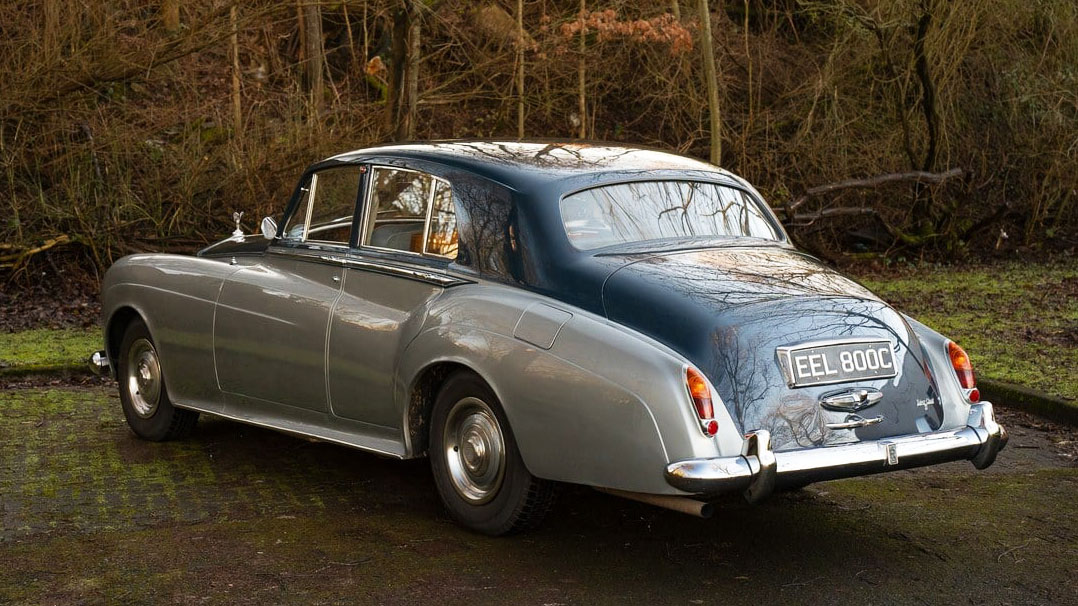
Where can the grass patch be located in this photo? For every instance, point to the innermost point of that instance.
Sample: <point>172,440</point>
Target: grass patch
<point>1018,321</point>
<point>47,349</point>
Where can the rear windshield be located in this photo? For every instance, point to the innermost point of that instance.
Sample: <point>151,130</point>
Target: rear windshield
<point>658,210</point>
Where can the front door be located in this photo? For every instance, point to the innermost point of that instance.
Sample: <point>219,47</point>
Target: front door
<point>271,318</point>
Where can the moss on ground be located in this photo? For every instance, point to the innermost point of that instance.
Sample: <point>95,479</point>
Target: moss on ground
<point>236,514</point>
<point>45,349</point>
<point>1018,321</point>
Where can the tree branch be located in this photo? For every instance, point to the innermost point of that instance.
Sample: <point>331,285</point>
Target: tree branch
<point>919,176</point>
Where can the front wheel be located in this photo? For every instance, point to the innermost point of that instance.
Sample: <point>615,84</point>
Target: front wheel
<point>477,467</point>
<point>146,405</point>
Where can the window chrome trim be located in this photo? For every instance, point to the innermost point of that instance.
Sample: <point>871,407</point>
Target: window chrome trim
<point>369,208</point>
<point>310,206</point>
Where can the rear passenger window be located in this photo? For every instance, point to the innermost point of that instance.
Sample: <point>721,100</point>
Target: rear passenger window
<point>412,212</point>
<point>442,235</point>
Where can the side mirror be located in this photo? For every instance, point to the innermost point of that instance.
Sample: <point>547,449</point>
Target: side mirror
<point>269,228</point>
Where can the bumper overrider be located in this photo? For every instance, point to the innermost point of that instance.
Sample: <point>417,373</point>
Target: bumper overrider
<point>759,470</point>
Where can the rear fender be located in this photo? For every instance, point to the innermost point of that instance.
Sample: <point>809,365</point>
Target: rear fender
<point>600,406</point>
<point>934,345</point>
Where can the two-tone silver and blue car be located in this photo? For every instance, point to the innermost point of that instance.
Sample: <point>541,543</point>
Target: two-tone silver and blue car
<point>528,313</point>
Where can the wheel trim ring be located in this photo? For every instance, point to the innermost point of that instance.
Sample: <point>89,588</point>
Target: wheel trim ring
<point>474,450</point>
<point>142,378</point>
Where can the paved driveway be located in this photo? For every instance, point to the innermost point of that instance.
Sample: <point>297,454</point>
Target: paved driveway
<point>237,514</point>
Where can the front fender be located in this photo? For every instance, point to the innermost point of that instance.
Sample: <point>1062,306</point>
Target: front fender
<point>601,406</point>
<point>175,295</point>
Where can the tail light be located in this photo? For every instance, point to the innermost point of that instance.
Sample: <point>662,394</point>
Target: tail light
<point>963,369</point>
<point>701,400</point>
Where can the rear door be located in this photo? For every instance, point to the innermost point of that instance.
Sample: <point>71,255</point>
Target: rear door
<point>408,237</point>
<point>271,319</point>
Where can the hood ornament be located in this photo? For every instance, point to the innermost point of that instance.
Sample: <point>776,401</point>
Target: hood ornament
<point>851,400</point>
<point>236,216</point>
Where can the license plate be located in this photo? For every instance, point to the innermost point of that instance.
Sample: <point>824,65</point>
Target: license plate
<point>837,362</point>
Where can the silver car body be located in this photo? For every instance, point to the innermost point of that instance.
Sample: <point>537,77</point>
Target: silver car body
<point>330,344</point>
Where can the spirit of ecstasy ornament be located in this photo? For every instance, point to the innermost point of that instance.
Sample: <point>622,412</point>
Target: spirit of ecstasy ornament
<point>236,217</point>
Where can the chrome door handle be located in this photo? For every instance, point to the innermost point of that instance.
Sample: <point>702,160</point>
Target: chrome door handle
<point>336,278</point>
<point>855,421</point>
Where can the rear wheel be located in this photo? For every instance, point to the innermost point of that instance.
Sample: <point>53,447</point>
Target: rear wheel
<point>477,467</point>
<point>146,405</point>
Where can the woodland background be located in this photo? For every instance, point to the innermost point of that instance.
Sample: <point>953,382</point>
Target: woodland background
<point>134,125</point>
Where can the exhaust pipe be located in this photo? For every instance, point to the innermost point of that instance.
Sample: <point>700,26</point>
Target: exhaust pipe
<point>692,507</point>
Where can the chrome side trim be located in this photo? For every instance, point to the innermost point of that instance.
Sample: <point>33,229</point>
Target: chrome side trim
<point>338,259</point>
<point>397,270</point>
<point>99,363</point>
<point>979,441</point>
<point>314,432</point>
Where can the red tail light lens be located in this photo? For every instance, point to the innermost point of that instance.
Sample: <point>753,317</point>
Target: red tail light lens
<point>963,368</point>
<point>701,399</point>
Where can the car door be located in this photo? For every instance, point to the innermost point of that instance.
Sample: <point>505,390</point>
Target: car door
<point>408,237</point>
<point>271,317</point>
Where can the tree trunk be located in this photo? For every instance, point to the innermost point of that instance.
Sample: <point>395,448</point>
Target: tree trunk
<point>406,126</point>
<point>398,53</point>
<point>312,17</point>
<point>237,108</point>
<point>676,9</point>
<point>520,69</point>
<point>351,40</point>
<point>582,109</point>
<point>170,15</point>
<point>711,76</point>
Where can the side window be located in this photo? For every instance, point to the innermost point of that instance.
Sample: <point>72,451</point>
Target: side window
<point>402,202</point>
<point>333,205</point>
<point>442,235</point>
<point>328,205</point>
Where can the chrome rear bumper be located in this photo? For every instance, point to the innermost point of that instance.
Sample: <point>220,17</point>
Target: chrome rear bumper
<point>759,470</point>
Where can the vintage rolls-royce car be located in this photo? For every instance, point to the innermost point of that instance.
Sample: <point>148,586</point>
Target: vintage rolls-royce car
<point>529,313</point>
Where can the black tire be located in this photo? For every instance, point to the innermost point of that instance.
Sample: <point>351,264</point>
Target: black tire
<point>514,502</point>
<point>146,405</point>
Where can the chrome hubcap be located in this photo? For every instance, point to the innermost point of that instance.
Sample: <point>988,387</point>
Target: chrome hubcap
<point>143,378</point>
<point>474,450</point>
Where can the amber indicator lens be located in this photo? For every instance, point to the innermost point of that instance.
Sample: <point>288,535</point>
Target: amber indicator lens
<point>701,399</point>
<point>963,368</point>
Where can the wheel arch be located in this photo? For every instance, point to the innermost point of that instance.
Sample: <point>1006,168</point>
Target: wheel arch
<point>115,326</point>
<point>421,394</point>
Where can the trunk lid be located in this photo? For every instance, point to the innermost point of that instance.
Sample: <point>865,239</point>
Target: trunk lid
<point>732,310</point>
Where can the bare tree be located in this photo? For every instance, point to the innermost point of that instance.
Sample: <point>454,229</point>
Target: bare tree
<point>711,76</point>
<point>582,99</point>
<point>237,109</point>
<point>402,90</point>
<point>407,124</point>
<point>520,69</point>
<point>315,57</point>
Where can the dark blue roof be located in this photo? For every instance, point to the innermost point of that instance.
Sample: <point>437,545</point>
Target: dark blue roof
<point>523,165</point>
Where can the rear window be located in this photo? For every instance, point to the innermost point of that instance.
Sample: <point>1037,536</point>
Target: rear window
<point>659,210</point>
